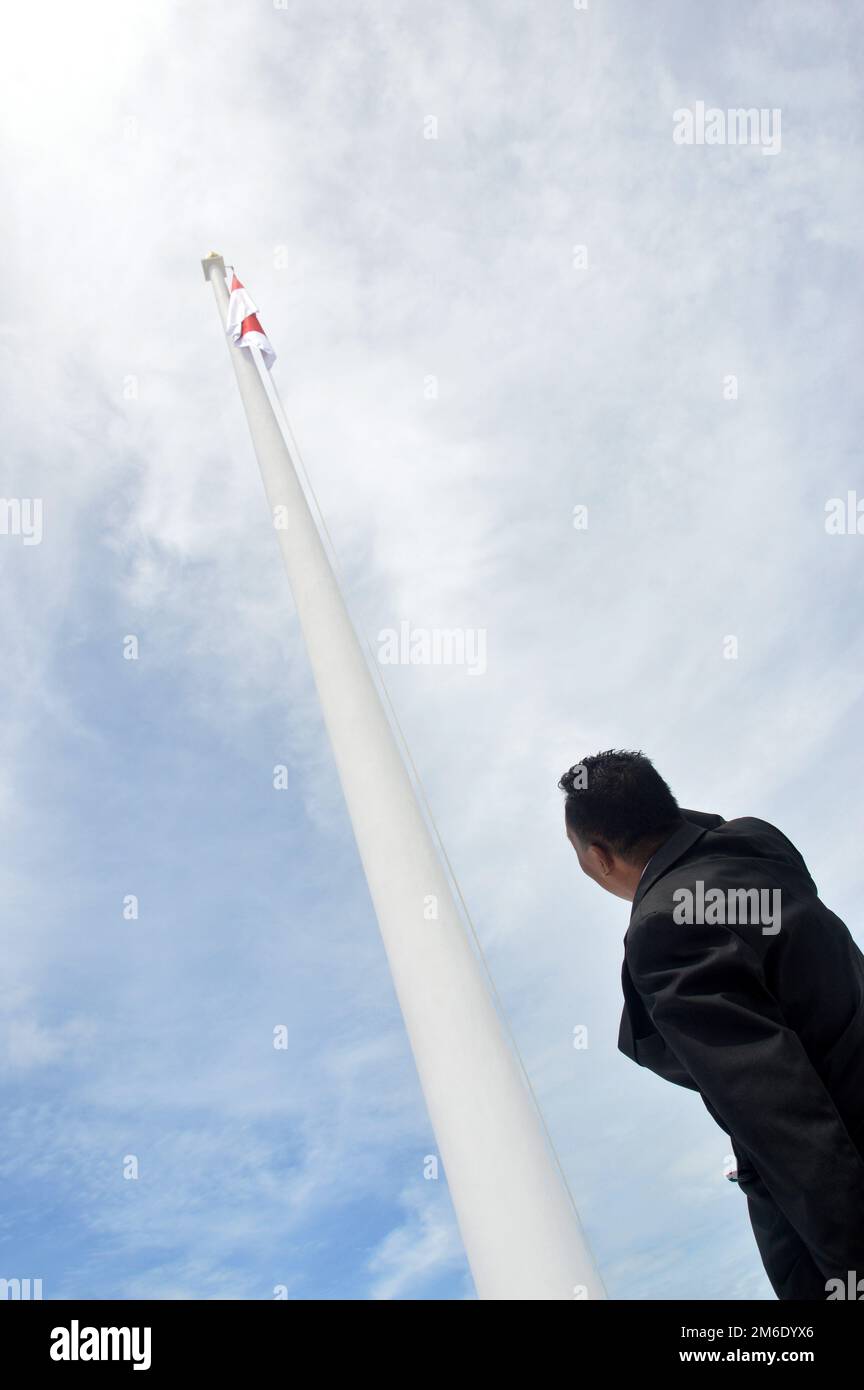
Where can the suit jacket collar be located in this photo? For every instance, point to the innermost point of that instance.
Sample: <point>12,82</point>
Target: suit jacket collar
<point>637,1037</point>
<point>668,853</point>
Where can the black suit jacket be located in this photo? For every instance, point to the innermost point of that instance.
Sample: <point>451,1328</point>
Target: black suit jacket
<point>769,1028</point>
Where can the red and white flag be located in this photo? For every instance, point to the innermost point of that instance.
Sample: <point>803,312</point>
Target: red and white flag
<point>243,327</point>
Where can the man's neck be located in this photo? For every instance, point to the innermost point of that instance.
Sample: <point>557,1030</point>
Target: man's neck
<point>652,849</point>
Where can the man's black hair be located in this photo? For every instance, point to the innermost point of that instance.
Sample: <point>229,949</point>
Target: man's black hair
<point>618,799</point>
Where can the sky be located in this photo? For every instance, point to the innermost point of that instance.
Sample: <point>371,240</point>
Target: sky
<point>499,291</point>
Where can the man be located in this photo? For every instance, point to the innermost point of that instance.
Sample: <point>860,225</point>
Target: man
<point>740,984</point>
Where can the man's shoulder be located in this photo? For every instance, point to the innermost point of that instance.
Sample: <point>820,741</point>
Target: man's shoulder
<point>747,838</point>
<point>737,826</point>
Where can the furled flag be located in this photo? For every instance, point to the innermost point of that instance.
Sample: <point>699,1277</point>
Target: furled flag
<point>243,327</point>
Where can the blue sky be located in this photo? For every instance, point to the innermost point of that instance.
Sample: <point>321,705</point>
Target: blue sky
<point>292,140</point>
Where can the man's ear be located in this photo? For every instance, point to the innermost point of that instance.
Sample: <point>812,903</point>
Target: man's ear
<point>601,859</point>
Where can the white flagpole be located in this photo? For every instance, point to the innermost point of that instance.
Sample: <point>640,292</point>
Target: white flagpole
<point>516,1217</point>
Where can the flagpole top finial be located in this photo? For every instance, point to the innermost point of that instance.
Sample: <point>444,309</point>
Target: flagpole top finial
<point>212,261</point>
